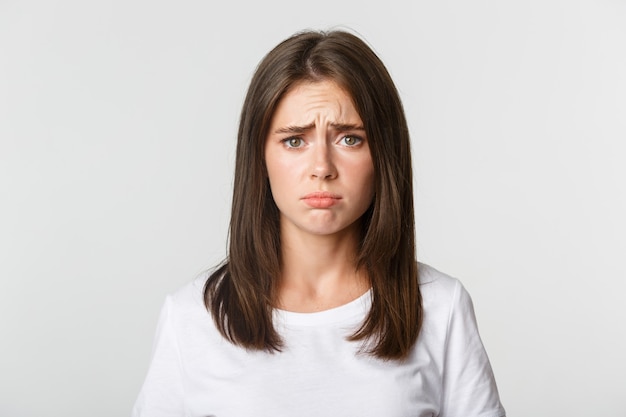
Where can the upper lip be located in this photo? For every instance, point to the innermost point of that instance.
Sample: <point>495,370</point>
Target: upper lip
<point>321,194</point>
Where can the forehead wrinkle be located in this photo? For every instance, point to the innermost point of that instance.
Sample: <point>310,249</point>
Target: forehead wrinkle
<point>316,108</point>
<point>336,116</point>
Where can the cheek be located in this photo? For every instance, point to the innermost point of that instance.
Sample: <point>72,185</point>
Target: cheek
<point>367,179</point>
<point>280,177</point>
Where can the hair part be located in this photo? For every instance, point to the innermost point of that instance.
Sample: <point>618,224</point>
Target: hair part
<point>241,293</point>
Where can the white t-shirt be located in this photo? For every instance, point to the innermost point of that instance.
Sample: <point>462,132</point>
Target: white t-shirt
<point>195,372</point>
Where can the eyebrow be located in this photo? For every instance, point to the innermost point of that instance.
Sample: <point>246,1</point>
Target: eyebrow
<point>340,127</point>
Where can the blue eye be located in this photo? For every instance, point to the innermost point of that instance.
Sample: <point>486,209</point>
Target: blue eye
<point>351,140</point>
<point>293,142</point>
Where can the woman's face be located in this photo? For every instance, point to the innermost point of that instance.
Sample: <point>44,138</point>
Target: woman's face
<point>318,160</point>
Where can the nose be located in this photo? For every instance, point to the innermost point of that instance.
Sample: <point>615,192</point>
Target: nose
<point>323,166</point>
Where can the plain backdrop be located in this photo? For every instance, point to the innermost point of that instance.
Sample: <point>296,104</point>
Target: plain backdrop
<point>117,132</point>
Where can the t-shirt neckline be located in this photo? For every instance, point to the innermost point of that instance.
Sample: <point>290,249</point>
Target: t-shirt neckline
<point>356,308</point>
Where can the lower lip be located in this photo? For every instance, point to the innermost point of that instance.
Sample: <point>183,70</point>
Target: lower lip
<point>321,202</point>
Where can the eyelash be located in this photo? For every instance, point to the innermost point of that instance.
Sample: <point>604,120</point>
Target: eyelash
<point>287,141</point>
<point>358,140</point>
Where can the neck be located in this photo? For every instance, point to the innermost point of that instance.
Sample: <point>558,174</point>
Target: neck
<point>319,271</point>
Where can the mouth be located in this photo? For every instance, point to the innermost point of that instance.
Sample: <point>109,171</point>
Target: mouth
<point>321,199</point>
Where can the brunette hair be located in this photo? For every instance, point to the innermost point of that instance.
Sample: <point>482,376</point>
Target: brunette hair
<point>241,293</point>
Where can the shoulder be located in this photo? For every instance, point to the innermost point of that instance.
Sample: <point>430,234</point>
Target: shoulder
<point>436,284</point>
<point>187,302</point>
<point>190,290</point>
<point>451,338</point>
<point>442,294</point>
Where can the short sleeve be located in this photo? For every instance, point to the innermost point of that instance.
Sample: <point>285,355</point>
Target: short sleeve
<point>162,392</point>
<point>469,387</point>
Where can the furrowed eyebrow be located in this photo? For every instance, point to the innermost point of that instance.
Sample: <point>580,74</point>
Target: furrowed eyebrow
<point>344,127</point>
<point>340,127</point>
<point>295,129</point>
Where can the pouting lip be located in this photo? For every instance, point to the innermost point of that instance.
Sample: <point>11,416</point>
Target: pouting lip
<point>322,194</point>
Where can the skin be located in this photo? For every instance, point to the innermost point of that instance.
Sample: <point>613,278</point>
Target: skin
<point>321,175</point>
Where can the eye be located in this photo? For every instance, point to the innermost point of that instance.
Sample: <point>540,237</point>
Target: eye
<point>293,142</point>
<point>351,140</point>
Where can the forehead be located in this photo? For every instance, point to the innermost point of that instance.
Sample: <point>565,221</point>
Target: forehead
<point>309,101</point>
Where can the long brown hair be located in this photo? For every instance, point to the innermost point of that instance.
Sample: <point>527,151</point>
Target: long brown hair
<point>241,293</point>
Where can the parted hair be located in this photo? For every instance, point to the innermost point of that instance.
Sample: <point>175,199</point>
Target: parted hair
<point>241,293</point>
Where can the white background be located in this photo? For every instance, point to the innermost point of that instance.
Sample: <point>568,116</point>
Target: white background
<point>117,131</point>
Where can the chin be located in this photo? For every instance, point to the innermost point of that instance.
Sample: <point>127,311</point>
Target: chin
<point>331,230</point>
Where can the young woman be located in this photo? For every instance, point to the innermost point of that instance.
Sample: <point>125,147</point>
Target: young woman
<point>320,308</point>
